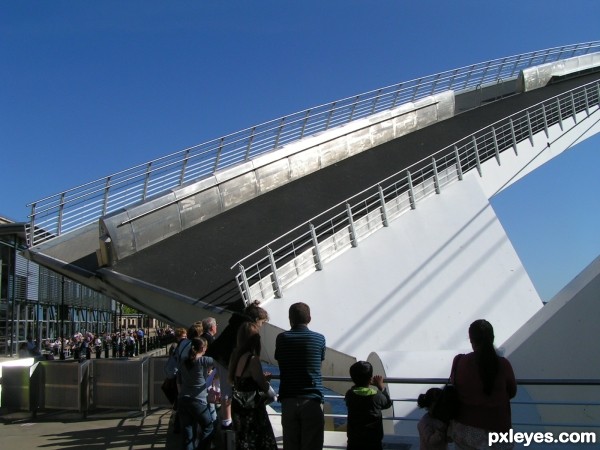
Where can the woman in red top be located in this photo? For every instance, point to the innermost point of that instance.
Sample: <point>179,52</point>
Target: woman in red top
<point>485,383</point>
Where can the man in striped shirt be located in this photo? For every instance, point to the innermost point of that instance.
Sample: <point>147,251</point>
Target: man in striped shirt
<point>299,353</point>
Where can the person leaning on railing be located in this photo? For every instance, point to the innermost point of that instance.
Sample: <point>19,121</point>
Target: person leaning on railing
<point>485,383</point>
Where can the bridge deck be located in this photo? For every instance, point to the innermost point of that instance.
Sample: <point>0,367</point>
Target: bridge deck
<point>197,261</point>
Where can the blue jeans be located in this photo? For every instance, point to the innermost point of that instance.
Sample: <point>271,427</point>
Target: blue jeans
<point>193,412</point>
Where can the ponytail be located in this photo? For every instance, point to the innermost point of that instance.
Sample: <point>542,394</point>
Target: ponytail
<point>198,346</point>
<point>481,334</point>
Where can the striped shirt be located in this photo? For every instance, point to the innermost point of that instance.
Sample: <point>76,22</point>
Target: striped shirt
<point>299,353</point>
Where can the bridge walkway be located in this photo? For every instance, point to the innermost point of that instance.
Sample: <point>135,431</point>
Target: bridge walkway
<point>197,261</point>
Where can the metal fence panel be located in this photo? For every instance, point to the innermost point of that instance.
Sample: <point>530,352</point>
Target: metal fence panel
<point>120,383</point>
<point>18,387</point>
<point>157,376</point>
<point>65,385</point>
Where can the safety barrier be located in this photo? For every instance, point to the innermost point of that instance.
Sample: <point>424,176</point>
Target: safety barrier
<point>115,383</point>
<point>540,405</point>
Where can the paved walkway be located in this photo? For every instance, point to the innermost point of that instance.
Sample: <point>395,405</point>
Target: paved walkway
<point>106,430</point>
<point>114,430</point>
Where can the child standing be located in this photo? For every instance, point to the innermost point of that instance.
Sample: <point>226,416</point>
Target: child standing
<point>432,431</point>
<point>365,423</point>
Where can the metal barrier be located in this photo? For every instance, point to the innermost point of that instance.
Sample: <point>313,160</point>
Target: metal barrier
<point>120,383</point>
<point>82,205</point>
<point>64,385</point>
<point>19,386</point>
<point>525,411</point>
<point>157,376</point>
<point>267,271</point>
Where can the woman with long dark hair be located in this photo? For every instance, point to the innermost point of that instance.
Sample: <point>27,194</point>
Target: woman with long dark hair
<point>252,426</point>
<point>485,383</point>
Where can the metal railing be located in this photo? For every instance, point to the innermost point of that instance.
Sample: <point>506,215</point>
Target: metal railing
<point>338,408</point>
<point>71,209</point>
<point>305,248</point>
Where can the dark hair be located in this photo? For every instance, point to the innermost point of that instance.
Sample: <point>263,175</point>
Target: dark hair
<point>361,373</point>
<point>427,399</point>
<point>195,330</point>
<point>481,334</point>
<point>255,312</point>
<point>198,345</point>
<point>299,314</point>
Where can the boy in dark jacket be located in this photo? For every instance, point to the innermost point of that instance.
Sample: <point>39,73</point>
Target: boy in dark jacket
<point>364,403</point>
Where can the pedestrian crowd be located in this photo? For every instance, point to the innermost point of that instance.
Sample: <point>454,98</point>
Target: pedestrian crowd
<point>220,385</point>
<point>86,345</point>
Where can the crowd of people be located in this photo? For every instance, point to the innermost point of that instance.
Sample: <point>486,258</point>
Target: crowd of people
<point>203,361</point>
<point>220,384</point>
<point>87,345</point>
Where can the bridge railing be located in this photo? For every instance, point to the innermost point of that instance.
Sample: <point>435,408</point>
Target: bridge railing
<point>267,271</point>
<point>546,412</point>
<point>71,209</point>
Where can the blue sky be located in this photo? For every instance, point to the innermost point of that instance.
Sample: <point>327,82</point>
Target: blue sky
<point>92,88</point>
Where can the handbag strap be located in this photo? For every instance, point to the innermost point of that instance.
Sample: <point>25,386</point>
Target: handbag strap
<point>452,378</point>
<point>245,365</point>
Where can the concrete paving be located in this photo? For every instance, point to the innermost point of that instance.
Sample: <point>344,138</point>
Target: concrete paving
<point>105,430</point>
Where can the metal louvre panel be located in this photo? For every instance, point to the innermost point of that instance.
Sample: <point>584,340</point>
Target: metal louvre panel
<point>65,385</point>
<point>30,271</point>
<point>157,376</point>
<point>120,383</point>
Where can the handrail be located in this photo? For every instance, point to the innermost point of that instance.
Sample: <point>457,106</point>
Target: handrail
<point>521,382</point>
<point>74,208</point>
<point>439,169</point>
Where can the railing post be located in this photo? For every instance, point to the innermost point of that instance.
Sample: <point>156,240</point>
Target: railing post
<point>184,166</point>
<point>573,107</point>
<point>106,192</point>
<point>61,212</point>
<point>384,216</point>
<point>411,193</point>
<point>496,145</point>
<point>396,96</point>
<point>245,291</point>
<point>218,157</point>
<point>458,163</point>
<point>477,160</point>
<point>31,233</point>
<point>279,133</point>
<point>416,89</point>
<point>276,283</point>
<point>146,180</point>
<point>587,102</point>
<point>545,120</point>
<point>560,119</point>
<point>434,84</point>
<point>330,115</point>
<point>513,136</point>
<point>529,128</point>
<point>307,115</point>
<point>375,101</point>
<point>249,146</point>
<point>353,240</point>
<point>313,233</point>
<point>436,180</point>
<point>353,108</point>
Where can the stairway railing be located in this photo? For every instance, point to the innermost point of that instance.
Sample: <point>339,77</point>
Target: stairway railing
<point>264,273</point>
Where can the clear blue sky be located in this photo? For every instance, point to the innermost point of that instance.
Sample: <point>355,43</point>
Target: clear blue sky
<point>91,88</point>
